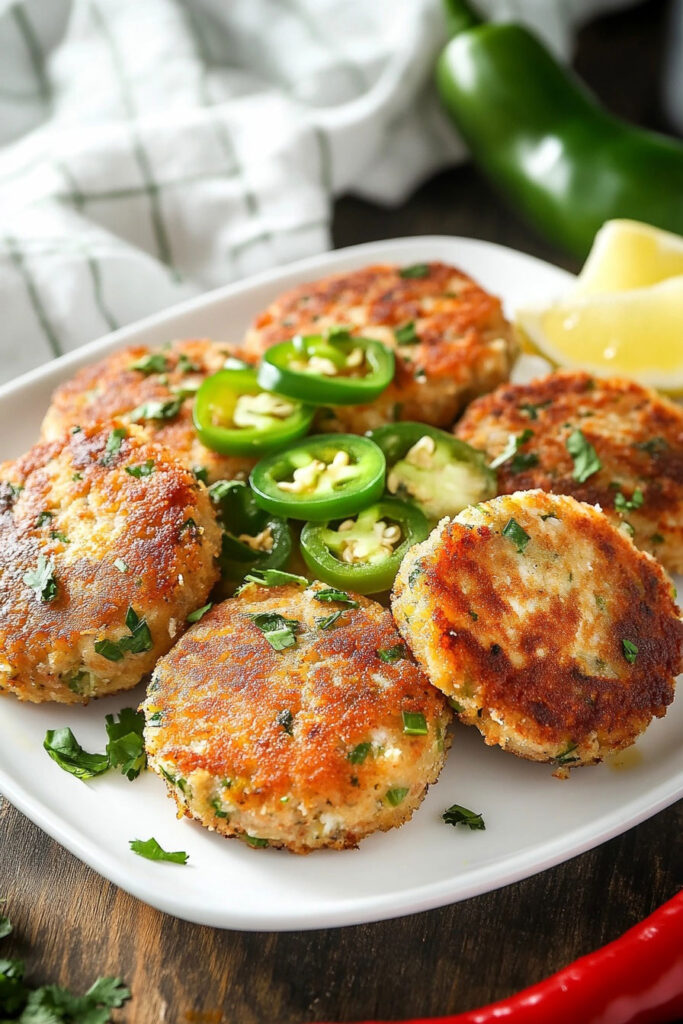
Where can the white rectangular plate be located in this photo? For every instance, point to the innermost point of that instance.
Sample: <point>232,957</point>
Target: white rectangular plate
<point>532,820</point>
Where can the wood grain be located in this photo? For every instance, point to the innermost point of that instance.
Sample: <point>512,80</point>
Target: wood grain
<point>72,926</point>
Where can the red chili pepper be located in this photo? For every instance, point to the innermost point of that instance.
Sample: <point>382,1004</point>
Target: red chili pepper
<point>637,979</point>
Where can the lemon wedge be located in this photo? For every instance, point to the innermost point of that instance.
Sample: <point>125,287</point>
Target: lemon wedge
<point>627,254</point>
<point>636,333</point>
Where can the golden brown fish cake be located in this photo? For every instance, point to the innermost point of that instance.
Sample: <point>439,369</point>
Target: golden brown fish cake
<point>113,388</point>
<point>637,435</point>
<point>302,747</point>
<point>545,625</point>
<point>106,544</point>
<point>463,344</point>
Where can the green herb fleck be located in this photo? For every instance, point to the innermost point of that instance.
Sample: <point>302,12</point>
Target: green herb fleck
<point>514,443</point>
<point>567,756</point>
<point>218,808</point>
<point>121,565</point>
<point>66,751</point>
<point>514,532</point>
<point>150,849</point>
<point>473,615</point>
<point>327,621</point>
<point>258,844</point>
<point>414,575</point>
<point>549,515</point>
<point>144,469</point>
<point>285,719</point>
<point>139,641</point>
<point>157,410</point>
<point>458,815</point>
<point>113,445</point>
<point>600,602</point>
<point>42,580</point>
<point>125,747</point>
<point>338,596</point>
<point>391,654</point>
<point>155,362</point>
<point>396,795</point>
<point>44,517</point>
<point>201,473</point>
<point>414,723</point>
<point>187,365</point>
<point>406,334</point>
<point>76,476</point>
<point>586,461</point>
<point>58,535</point>
<point>624,504</point>
<point>359,753</point>
<point>456,705</point>
<point>415,270</point>
<point>275,578</point>
<point>531,409</point>
<point>199,613</point>
<point>630,651</point>
<point>278,631</point>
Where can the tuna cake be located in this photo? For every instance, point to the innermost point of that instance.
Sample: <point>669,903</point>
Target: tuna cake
<point>106,544</point>
<point>545,626</point>
<point>612,443</point>
<point>155,387</point>
<point>450,339</point>
<point>295,717</point>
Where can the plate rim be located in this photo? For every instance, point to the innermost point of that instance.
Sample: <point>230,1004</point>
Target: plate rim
<point>360,909</point>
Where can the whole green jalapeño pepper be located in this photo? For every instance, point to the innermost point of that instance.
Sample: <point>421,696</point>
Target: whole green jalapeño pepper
<point>252,538</point>
<point>234,415</point>
<point>562,161</point>
<point>336,369</point>
<point>364,553</point>
<point>441,474</point>
<point>320,477</point>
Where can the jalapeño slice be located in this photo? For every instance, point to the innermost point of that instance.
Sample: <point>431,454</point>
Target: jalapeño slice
<point>320,477</point>
<point>336,369</point>
<point>433,469</point>
<point>234,415</point>
<point>363,553</point>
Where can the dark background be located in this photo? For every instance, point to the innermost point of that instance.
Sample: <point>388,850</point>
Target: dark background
<point>72,926</point>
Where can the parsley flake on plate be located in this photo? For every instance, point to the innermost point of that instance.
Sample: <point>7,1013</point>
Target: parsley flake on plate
<point>151,850</point>
<point>155,362</point>
<point>415,270</point>
<point>630,651</point>
<point>338,596</point>
<point>113,445</point>
<point>458,815</point>
<point>157,410</point>
<point>139,640</point>
<point>143,469</point>
<point>514,443</point>
<point>406,334</point>
<point>66,751</point>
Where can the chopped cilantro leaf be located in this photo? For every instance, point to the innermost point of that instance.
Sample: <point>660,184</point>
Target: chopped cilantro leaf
<point>414,723</point>
<point>275,578</point>
<point>139,641</point>
<point>126,749</point>
<point>531,409</point>
<point>199,613</point>
<point>624,504</point>
<point>415,270</point>
<point>326,621</point>
<point>66,751</point>
<point>396,795</point>
<point>42,579</point>
<point>458,815</point>
<point>143,469</point>
<point>155,362</point>
<point>514,443</point>
<point>630,651</point>
<point>113,445</point>
<point>278,631</point>
<point>150,849</point>
<point>338,596</point>
<point>359,753</point>
<point>586,461</point>
<point>58,535</point>
<point>187,365</point>
<point>157,410</point>
<point>108,649</point>
<point>406,334</point>
<point>514,532</point>
<point>391,654</point>
<point>44,517</point>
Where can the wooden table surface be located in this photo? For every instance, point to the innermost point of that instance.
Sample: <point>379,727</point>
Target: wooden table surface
<point>72,926</point>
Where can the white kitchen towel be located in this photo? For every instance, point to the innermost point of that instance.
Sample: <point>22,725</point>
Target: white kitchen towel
<point>152,149</point>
